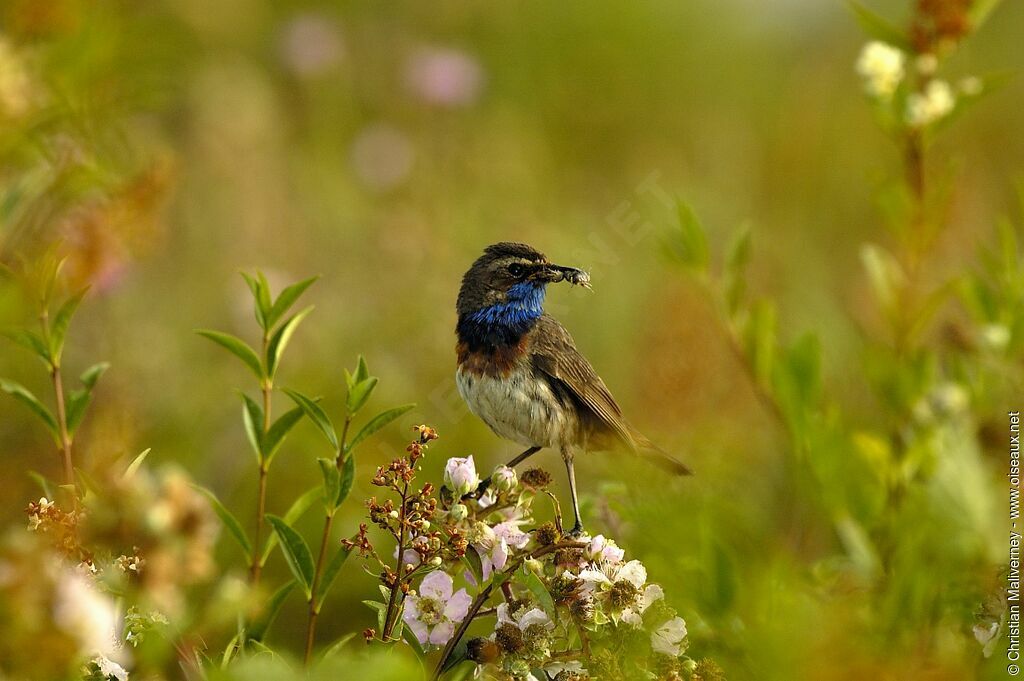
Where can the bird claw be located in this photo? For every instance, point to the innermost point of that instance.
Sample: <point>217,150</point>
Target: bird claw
<point>576,532</point>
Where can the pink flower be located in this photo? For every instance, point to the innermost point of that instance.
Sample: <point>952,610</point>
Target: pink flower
<point>494,549</point>
<point>444,77</point>
<point>605,550</point>
<point>460,475</point>
<point>433,614</point>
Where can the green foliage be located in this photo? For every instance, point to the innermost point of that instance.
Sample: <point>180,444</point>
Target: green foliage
<point>296,553</point>
<point>25,396</point>
<point>878,27</point>
<point>230,521</point>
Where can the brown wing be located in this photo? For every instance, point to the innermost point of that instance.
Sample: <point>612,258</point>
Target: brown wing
<point>554,353</point>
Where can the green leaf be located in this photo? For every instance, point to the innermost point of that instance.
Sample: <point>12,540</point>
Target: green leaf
<point>472,560</point>
<point>337,646</point>
<point>260,626</point>
<point>263,298</point>
<point>256,287</point>
<point>381,609</point>
<point>359,393</point>
<point>280,340</point>
<point>226,517</point>
<point>22,394</point>
<point>287,298</point>
<point>91,375</point>
<point>43,483</point>
<point>690,246</point>
<point>317,415</point>
<point>295,511</point>
<point>77,403</point>
<point>376,423</point>
<point>329,575</point>
<point>252,417</point>
<point>362,371</point>
<point>980,11</point>
<point>348,477</point>
<point>539,592</point>
<point>237,347</point>
<point>279,430</point>
<point>877,27</point>
<point>760,340</point>
<point>31,341</point>
<point>136,463</point>
<point>332,482</point>
<point>885,274</point>
<point>296,552</point>
<point>61,321</point>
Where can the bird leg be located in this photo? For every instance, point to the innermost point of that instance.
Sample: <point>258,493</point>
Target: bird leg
<point>486,482</point>
<point>577,528</point>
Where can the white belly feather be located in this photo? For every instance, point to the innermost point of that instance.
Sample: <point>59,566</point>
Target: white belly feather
<point>518,408</point>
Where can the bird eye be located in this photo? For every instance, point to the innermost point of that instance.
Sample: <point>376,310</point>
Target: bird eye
<point>516,270</point>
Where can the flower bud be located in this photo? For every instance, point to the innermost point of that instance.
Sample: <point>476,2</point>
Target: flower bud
<point>458,513</point>
<point>534,566</point>
<point>504,479</point>
<point>460,475</point>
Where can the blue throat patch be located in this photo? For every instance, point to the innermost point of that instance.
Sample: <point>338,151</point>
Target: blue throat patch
<point>505,322</point>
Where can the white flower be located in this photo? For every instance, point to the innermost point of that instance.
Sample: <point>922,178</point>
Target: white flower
<point>525,620</point>
<point>633,616</point>
<point>605,550</point>
<point>937,101</point>
<point>108,668</point>
<point>667,638</point>
<point>602,577</point>
<point>504,479</point>
<point>881,66</point>
<point>460,475</point>
<point>433,614</point>
<point>85,613</point>
<point>572,666</point>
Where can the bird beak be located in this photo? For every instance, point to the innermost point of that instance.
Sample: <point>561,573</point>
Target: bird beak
<point>552,274</point>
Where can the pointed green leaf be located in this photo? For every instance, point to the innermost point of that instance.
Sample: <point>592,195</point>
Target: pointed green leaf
<point>136,463</point>
<point>259,627</point>
<point>362,372</point>
<point>255,286</point>
<point>539,591</point>
<point>376,423</point>
<point>43,483</point>
<point>23,395</point>
<point>288,298</point>
<point>263,297</point>
<point>295,511</point>
<point>690,245</point>
<point>329,575</point>
<point>237,347</point>
<point>317,415</point>
<point>93,373</point>
<point>359,393</point>
<point>332,482</point>
<point>410,638</point>
<point>61,321</point>
<point>348,477</point>
<point>31,341</point>
<point>226,517</point>
<point>381,609</point>
<point>337,646</point>
<point>279,430</point>
<point>296,552</point>
<point>980,11</point>
<point>877,27</point>
<point>280,340</point>
<point>77,402</point>
<point>252,417</point>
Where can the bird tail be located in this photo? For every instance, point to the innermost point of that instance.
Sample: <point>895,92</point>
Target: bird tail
<point>658,456</point>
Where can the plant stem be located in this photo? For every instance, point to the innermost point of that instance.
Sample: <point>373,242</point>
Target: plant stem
<point>481,599</point>
<point>314,606</point>
<point>58,391</point>
<point>266,387</point>
<point>391,617</point>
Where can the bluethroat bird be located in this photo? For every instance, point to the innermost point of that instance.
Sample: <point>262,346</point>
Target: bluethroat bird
<point>519,369</point>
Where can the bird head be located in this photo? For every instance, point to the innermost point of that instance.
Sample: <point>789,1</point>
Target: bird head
<point>508,282</point>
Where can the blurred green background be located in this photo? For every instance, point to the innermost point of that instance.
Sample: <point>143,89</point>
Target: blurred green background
<point>383,145</point>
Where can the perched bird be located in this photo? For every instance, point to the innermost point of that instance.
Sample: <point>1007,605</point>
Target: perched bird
<point>519,369</point>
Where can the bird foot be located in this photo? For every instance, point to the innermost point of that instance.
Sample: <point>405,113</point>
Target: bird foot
<point>576,532</point>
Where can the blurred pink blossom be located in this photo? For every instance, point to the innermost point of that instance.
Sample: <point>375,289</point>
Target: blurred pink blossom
<point>444,76</point>
<point>311,44</point>
<point>382,156</point>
